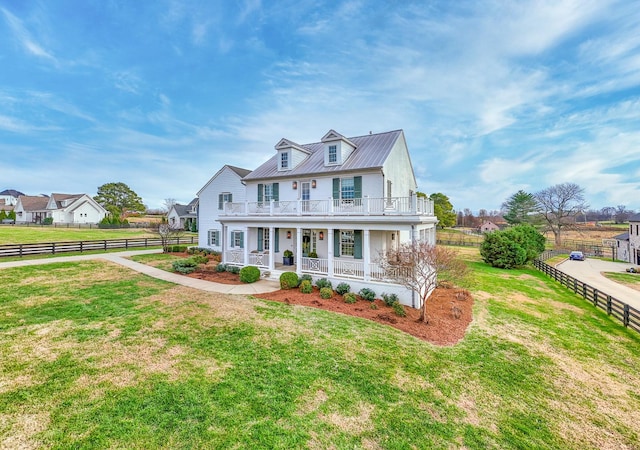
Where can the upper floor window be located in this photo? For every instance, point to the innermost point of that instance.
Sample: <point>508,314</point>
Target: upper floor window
<point>333,154</point>
<point>268,192</point>
<point>347,189</point>
<point>224,198</point>
<point>284,160</point>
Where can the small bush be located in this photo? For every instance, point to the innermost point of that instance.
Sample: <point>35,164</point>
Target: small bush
<point>367,294</point>
<point>322,283</point>
<point>233,269</point>
<point>200,259</point>
<point>222,267</point>
<point>185,266</point>
<point>326,292</point>
<point>389,299</point>
<point>249,274</point>
<point>288,280</point>
<point>177,248</point>
<point>373,306</point>
<point>343,288</point>
<point>47,221</point>
<point>306,287</point>
<point>399,309</point>
<point>350,297</point>
<point>306,277</point>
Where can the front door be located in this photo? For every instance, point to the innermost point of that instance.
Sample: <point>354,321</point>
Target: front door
<point>306,242</point>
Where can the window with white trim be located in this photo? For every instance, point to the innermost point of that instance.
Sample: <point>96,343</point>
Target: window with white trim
<point>268,192</point>
<point>224,197</point>
<point>237,239</point>
<point>347,189</point>
<point>347,243</point>
<point>284,160</point>
<point>265,239</point>
<point>333,154</point>
<point>214,238</point>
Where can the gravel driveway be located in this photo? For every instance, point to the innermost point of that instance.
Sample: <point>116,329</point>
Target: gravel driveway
<point>590,271</point>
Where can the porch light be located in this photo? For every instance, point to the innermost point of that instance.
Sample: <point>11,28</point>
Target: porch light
<point>321,235</point>
<point>313,184</point>
<point>289,234</point>
<point>294,185</point>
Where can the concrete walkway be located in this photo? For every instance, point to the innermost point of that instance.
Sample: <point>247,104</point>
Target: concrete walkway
<point>590,272</point>
<point>120,258</point>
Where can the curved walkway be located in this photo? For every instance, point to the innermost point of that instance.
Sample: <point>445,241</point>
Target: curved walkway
<point>259,287</point>
<point>590,271</point>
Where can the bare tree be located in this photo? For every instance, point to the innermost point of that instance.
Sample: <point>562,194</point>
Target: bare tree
<point>421,267</point>
<point>560,205</point>
<point>168,203</point>
<point>622,214</point>
<point>167,233</point>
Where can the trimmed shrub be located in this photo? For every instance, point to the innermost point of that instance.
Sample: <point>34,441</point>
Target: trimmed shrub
<point>200,259</point>
<point>322,283</point>
<point>221,267</point>
<point>306,287</point>
<point>288,280</point>
<point>233,269</point>
<point>47,221</point>
<point>367,294</point>
<point>399,309</point>
<point>306,277</point>
<point>177,248</point>
<point>249,274</point>
<point>343,288</point>
<point>513,247</point>
<point>389,299</point>
<point>326,292</point>
<point>185,266</point>
<point>350,297</point>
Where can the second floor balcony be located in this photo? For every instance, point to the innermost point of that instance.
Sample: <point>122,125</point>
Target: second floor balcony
<point>366,206</point>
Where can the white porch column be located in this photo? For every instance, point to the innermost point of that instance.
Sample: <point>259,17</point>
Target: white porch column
<point>245,231</point>
<point>366,254</point>
<point>223,243</point>
<point>330,251</point>
<point>272,242</point>
<point>298,259</point>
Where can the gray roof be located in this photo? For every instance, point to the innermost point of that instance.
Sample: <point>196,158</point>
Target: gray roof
<point>183,210</point>
<point>622,237</point>
<point>371,152</point>
<point>635,218</point>
<point>11,192</point>
<point>240,171</point>
<point>34,202</point>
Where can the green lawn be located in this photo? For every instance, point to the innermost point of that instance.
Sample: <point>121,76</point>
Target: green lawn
<point>32,234</point>
<point>93,355</point>
<point>628,279</point>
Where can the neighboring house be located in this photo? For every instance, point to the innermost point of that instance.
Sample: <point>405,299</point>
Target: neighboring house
<point>488,226</point>
<point>10,198</point>
<point>225,186</point>
<point>621,247</point>
<point>62,208</point>
<point>336,204</point>
<point>634,239</point>
<point>183,216</point>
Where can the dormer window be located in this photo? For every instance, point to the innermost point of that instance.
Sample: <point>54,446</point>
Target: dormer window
<point>333,154</point>
<point>284,161</point>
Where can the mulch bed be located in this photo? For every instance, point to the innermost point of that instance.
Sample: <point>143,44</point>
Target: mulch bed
<point>449,309</point>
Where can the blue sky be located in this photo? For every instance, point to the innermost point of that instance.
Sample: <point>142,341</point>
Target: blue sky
<point>493,96</point>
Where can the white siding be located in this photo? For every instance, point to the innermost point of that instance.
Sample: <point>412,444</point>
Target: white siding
<point>398,169</point>
<point>225,181</point>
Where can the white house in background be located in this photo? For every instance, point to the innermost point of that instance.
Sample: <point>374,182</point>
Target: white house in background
<point>10,197</point>
<point>62,208</point>
<point>634,239</point>
<point>225,186</point>
<point>336,204</point>
<point>182,216</point>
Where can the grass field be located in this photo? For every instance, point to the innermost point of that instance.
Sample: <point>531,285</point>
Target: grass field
<point>31,234</point>
<point>93,355</point>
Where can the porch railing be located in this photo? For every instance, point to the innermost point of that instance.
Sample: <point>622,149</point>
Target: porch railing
<point>348,269</point>
<point>315,265</point>
<point>366,206</point>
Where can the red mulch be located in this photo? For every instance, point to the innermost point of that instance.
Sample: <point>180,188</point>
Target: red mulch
<point>442,307</point>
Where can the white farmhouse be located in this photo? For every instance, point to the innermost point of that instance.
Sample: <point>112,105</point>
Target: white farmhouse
<point>336,205</point>
<point>61,208</point>
<point>225,186</point>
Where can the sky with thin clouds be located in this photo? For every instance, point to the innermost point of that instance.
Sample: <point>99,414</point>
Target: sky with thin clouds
<point>493,96</point>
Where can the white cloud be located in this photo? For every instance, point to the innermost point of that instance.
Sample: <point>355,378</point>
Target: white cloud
<point>25,39</point>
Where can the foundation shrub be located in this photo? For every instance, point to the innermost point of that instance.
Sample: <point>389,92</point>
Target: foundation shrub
<point>350,297</point>
<point>322,283</point>
<point>343,288</point>
<point>288,280</point>
<point>249,274</point>
<point>367,294</point>
<point>306,287</point>
<point>326,292</point>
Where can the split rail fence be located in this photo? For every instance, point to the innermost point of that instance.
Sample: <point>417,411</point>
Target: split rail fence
<point>52,248</point>
<point>628,315</point>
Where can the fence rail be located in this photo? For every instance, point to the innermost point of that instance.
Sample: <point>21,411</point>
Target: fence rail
<point>52,248</point>
<point>629,316</point>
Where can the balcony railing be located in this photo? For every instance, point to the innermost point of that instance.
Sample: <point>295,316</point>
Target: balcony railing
<point>365,206</point>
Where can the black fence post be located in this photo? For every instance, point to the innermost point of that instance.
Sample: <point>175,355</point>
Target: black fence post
<point>625,315</point>
<point>20,250</point>
<point>595,297</point>
<point>609,304</point>
<point>80,246</point>
<point>105,245</point>
<point>53,248</point>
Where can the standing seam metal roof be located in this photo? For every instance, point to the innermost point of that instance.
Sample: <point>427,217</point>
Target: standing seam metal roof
<point>371,152</point>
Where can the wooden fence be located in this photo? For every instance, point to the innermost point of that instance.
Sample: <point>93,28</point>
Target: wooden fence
<point>52,248</point>
<point>629,316</point>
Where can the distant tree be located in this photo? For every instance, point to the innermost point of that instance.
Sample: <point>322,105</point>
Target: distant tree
<point>118,199</point>
<point>421,267</point>
<point>167,233</point>
<point>12,215</point>
<point>609,212</point>
<point>168,203</point>
<point>460,219</point>
<point>3,215</point>
<point>443,210</point>
<point>622,214</point>
<point>560,205</point>
<point>521,207</point>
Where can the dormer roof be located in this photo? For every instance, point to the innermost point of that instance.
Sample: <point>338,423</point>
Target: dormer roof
<point>333,135</point>
<point>285,144</point>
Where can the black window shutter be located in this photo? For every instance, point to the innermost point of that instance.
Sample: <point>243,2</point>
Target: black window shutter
<point>357,187</point>
<point>357,244</point>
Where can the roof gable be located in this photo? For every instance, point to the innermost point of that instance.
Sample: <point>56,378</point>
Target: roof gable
<point>239,172</point>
